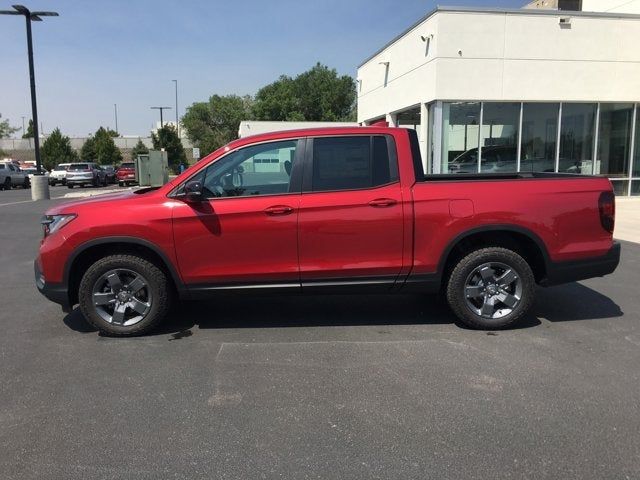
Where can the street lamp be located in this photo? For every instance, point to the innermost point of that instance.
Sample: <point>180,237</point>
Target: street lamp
<point>161,109</point>
<point>115,111</point>
<point>41,186</point>
<point>177,124</point>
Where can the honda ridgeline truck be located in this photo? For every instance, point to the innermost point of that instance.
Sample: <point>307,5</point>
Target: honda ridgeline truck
<point>326,210</point>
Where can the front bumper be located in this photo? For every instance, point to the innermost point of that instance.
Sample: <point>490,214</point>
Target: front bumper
<point>56,292</point>
<point>572,271</point>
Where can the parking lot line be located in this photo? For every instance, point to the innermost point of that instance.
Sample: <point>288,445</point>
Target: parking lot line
<point>14,203</point>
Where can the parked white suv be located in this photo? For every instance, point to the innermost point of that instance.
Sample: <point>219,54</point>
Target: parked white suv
<point>59,174</point>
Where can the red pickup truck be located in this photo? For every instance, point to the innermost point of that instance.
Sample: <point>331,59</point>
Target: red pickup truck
<point>326,210</point>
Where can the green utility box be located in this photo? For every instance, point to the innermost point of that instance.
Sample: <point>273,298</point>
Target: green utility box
<point>152,170</point>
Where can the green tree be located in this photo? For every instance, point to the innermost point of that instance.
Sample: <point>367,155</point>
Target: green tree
<point>88,150</point>
<point>214,123</point>
<point>29,132</point>
<point>6,130</point>
<point>167,138</point>
<point>318,94</point>
<point>139,149</point>
<point>106,151</point>
<point>57,149</point>
<point>112,133</point>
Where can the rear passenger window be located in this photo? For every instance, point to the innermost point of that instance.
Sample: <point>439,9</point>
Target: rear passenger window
<point>350,163</point>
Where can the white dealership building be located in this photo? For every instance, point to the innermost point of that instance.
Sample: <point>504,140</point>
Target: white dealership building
<point>554,86</point>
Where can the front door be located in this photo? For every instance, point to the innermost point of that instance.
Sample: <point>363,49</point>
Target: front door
<point>244,233</point>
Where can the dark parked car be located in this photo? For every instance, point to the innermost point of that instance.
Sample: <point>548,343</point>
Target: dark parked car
<point>110,173</point>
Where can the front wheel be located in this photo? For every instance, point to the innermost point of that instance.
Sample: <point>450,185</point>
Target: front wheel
<point>124,295</point>
<point>491,288</point>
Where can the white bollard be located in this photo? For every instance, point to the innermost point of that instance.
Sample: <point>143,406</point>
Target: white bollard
<point>40,187</point>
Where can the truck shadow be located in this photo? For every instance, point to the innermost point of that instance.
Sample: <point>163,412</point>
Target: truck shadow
<point>574,301</point>
<point>563,303</point>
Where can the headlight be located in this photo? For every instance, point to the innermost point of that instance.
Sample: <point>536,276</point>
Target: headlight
<point>52,223</point>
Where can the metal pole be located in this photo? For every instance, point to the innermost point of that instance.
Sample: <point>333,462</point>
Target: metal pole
<point>115,108</point>
<point>177,123</point>
<point>23,132</point>
<point>161,124</point>
<point>34,108</point>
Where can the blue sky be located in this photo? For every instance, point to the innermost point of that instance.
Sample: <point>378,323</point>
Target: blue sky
<point>98,53</point>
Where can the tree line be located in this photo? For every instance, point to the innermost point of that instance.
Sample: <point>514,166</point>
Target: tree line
<point>319,94</point>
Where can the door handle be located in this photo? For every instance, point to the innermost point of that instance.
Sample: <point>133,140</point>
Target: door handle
<point>278,210</point>
<point>382,202</point>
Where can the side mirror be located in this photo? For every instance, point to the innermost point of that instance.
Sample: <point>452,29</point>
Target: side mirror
<point>193,191</point>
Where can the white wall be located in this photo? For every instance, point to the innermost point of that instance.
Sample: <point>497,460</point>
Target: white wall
<point>512,55</point>
<point>614,6</point>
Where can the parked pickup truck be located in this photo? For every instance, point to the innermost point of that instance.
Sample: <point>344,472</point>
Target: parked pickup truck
<point>12,176</point>
<point>326,210</point>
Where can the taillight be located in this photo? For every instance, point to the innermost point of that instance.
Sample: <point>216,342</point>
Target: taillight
<point>607,208</point>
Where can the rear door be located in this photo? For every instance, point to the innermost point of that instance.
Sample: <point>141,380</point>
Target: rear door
<point>350,225</point>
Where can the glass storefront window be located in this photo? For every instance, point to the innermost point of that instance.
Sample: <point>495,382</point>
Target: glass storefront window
<point>460,133</point>
<point>576,137</point>
<point>539,135</point>
<point>620,187</point>
<point>635,186</point>
<point>499,137</point>
<point>636,155</point>
<point>614,139</point>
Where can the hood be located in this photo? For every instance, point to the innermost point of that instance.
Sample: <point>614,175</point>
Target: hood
<point>74,205</point>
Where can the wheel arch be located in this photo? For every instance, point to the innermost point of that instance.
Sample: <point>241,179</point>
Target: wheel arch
<point>519,239</point>
<point>87,253</point>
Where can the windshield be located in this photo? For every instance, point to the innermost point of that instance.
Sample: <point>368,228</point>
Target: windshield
<point>79,166</point>
<point>127,165</point>
<point>60,168</point>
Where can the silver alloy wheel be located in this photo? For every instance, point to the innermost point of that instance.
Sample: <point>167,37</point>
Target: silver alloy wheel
<point>122,297</point>
<point>493,290</point>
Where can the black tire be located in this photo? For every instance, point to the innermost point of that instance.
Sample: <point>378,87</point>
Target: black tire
<point>159,290</point>
<point>121,184</point>
<point>7,183</point>
<point>461,275</point>
<point>26,183</point>
<point>69,185</point>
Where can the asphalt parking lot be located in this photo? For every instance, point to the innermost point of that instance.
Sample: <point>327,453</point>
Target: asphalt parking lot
<point>317,387</point>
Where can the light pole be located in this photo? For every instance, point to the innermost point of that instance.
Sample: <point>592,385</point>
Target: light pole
<point>177,124</point>
<point>23,132</point>
<point>40,185</point>
<point>161,109</point>
<point>115,111</point>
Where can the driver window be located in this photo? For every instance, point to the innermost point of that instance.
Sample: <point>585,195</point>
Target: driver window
<point>263,169</point>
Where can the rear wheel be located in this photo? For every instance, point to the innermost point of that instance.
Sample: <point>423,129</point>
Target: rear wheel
<point>124,295</point>
<point>69,185</point>
<point>25,183</point>
<point>491,288</point>
<point>7,183</point>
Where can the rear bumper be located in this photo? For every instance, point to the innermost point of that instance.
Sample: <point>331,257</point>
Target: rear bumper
<point>56,292</point>
<point>79,181</point>
<point>564,272</point>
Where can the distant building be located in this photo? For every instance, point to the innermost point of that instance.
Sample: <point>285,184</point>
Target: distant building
<point>495,90</point>
<point>254,127</point>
